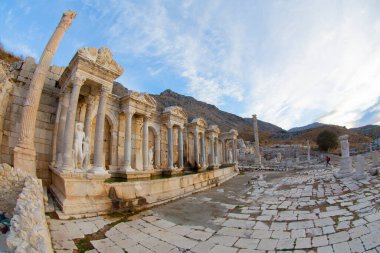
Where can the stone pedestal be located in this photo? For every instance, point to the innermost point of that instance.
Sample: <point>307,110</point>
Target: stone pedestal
<point>345,162</point>
<point>80,193</point>
<point>360,174</point>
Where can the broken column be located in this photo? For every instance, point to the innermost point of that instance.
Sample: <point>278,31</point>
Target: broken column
<point>374,170</point>
<point>24,152</point>
<point>345,161</point>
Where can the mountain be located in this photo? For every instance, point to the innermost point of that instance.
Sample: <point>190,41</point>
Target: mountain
<point>368,130</point>
<point>213,115</point>
<point>310,126</point>
<point>194,108</point>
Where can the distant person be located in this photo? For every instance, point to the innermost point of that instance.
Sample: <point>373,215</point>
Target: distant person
<point>328,161</point>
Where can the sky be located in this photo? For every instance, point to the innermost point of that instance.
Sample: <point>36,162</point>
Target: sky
<point>290,62</point>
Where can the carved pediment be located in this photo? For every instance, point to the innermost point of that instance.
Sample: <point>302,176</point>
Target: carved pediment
<point>102,57</point>
<point>200,122</point>
<point>142,98</point>
<point>214,129</point>
<point>176,111</point>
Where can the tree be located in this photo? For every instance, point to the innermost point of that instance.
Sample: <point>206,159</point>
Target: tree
<point>327,140</point>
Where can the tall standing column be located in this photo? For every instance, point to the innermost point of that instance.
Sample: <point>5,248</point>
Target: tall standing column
<point>170,146</point>
<point>90,102</point>
<point>234,149</point>
<point>308,150</point>
<point>180,148</point>
<point>24,152</point>
<point>196,155</point>
<point>56,127</point>
<point>128,142</point>
<point>99,133</point>
<point>212,143</point>
<point>145,144</point>
<point>157,151</point>
<point>61,128</point>
<point>203,150</point>
<point>257,142</point>
<point>70,124</point>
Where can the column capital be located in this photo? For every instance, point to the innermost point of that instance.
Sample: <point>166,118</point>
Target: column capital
<point>67,19</point>
<point>169,124</point>
<point>90,99</point>
<point>254,116</point>
<point>78,79</point>
<point>105,90</point>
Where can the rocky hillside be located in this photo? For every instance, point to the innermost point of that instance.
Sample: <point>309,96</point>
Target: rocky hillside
<point>213,115</point>
<point>357,140</point>
<point>368,130</point>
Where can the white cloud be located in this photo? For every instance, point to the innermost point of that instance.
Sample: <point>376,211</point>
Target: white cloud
<point>290,62</point>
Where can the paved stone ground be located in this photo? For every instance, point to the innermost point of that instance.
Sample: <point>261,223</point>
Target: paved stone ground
<point>308,211</point>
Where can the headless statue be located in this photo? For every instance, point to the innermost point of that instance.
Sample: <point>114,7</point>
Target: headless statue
<point>150,155</point>
<point>79,137</point>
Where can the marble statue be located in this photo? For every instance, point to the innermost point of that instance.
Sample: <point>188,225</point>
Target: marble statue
<point>79,137</point>
<point>230,157</point>
<point>86,153</point>
<point>150,155</point>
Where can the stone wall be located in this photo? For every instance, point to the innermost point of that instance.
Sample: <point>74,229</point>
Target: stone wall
<point>29,231</point>
<point>11,184</point>
<point>19,76</point>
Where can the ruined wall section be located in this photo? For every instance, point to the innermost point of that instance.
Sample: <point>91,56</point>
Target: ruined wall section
<point>21,74</point>
<point>29,231</point>
<point>11,184</point>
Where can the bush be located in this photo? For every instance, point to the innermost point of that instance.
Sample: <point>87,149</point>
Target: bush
<point>327,140</point>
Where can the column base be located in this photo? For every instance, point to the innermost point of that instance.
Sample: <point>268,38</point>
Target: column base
<point>359,176</point>
<point>126,169</point>
<point>342,174</point>
<point>25,159</point>
<point>98,171</point>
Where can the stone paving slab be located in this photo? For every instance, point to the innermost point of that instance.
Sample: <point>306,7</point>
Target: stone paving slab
<point>304,211</point>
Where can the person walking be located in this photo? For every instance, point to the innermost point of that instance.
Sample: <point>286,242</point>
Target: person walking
<point>328,161</point>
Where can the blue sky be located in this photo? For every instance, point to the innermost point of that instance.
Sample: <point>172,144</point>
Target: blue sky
<point>289,62</point>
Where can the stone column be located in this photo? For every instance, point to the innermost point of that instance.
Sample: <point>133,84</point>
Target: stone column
<point>308,150</point>
<point>145,144</point>
<point>223,151</point>
<point>24,152</point>
<point>114,135</point>
<point>203,156</point>
<point>157,151</point>
<point>128,142</point>
<point>360,174</point>
<point>170,146</point>
<point>70,124</point>
<point>257,143</point>
<point>216,162</point>
<point>61,128</point>
<point>196,156</point>
<point>55,132</point>
<point>99,133</point>
<point>345,161</point>
<point>212,142</point>
<point>180,148</point>
<point>90,102</point>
